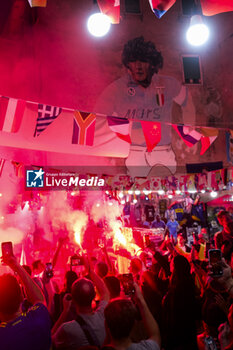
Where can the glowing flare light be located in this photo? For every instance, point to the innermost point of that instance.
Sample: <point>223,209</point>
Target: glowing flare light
<point>118,235</point>
<point>78,228</point>
<point>77,237</point>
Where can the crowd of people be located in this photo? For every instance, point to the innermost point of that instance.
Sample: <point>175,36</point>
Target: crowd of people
<point>182,300</point>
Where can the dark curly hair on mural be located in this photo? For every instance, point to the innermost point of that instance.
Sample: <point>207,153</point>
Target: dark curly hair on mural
<point>138,49</point>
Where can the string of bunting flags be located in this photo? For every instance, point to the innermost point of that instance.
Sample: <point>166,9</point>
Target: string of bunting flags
<point>12,111</point>
<point>217,180</point>
<point>111,8</point>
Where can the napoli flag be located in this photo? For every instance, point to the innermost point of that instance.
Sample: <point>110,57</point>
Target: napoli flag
<point>160,7</point>
<point>214,7</point>
<point>121,127</point>
<point>152,134</point>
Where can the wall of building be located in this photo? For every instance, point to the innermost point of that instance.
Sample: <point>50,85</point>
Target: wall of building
<point>48,56</point>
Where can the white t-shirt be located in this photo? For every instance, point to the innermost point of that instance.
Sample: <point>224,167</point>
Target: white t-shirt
<point>125,98</point>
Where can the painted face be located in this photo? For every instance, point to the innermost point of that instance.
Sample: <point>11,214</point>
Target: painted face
<point>139,70</point>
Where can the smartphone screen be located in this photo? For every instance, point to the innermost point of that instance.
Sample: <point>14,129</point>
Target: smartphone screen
<point>7,249</point>
<point>148,262</point>
<point>49,267</point>
<point>75,262</point>
<point>49,270</point>
<point>215,258</point>
<point>127,283</point>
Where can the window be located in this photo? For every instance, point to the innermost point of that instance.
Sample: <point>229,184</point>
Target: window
<point>133,6</point>
<point>191,69</point>
<point>188,7</point>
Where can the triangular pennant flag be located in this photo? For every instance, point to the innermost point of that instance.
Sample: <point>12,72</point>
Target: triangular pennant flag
<point>46,115</point>
<point>19,169</point>
<point>37,3</point>
<point>160,7</point>
<point>11,114</point>
<point>83,128</point>
<point>155,183</point>
<point>214,7</point>
<point>209,136</point>
<point>110,8</point>
<point>190,181</point>
<point>121,127</point>
<point>152,134</point>
<point>189,136</point>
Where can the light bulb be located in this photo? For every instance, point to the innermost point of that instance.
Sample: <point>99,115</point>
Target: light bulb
<point>98,24</point>
<point>198,32</point>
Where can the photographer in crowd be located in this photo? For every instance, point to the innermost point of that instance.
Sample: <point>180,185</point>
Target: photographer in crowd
<point>120,317</point>
<point>88,328</point>
<point>22,331</point>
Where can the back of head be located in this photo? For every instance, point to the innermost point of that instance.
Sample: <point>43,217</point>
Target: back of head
<point>223,214</point>
<point>181,276</point>
<point>113,285</point>
<point>181,265</point>
<point>182,287</point>
<point>83,292</point>
<point>101,269</point>
<point>70,278</point>
<point>212,314</point>
<point>120,315</point>
<point>136,265</point>
<point>10,294</point>
<point>138,49</point>
<point>38,266</point>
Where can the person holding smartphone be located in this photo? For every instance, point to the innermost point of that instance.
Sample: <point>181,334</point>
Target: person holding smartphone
<point>88,327</point>
<point>22,331</point>
<point>224,239</point>
<point>120,315</point>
